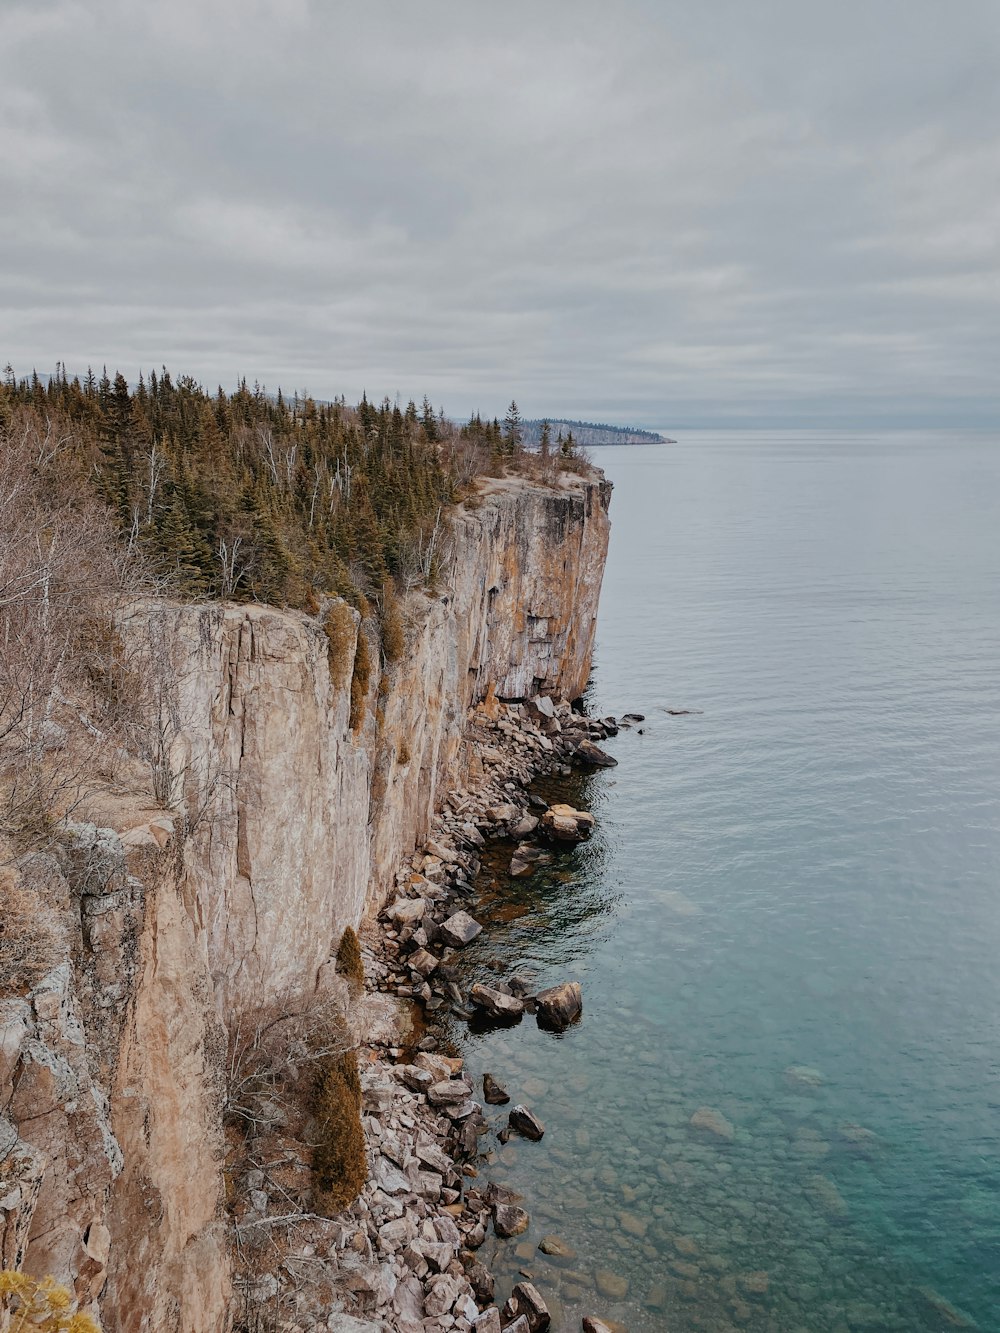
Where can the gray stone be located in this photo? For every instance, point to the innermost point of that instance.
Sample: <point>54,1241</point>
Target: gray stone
<point>526,1122</point>
<point>509,1220</point>
<point>526,1301</point>
<point>495,1002</point>
<point>494,1093</point>
<point>558,1006</point>
<point>460,930</point>
<point>589,753</point>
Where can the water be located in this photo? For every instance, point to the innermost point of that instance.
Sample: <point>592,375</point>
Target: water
<point>805,872</point>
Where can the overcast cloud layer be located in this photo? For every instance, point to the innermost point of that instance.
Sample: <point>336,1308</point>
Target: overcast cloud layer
<point>664,213</point>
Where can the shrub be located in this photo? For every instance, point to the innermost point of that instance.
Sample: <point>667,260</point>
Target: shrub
<point>340,1165</point>
<point>403,755</point>
<point>28,943</point>
<point>360,679</point>
<point>40,1305</point>
<point>349,960</point>
<point>393,631</point>
<point>339,627</point>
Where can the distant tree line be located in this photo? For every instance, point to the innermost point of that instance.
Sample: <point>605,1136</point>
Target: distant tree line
<point>584,433</point>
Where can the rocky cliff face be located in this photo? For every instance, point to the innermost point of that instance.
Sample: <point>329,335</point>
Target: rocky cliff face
<point>112,1071</point>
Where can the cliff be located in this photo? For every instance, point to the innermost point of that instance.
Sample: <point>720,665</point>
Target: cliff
<point>278,825</point>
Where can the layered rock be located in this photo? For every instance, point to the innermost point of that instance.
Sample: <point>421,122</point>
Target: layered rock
<point>282,825</point>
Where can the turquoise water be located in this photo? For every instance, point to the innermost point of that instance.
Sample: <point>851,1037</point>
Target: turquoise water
<point>805,872</point>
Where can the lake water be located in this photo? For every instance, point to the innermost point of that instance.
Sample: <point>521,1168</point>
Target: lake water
<point>803,875</point>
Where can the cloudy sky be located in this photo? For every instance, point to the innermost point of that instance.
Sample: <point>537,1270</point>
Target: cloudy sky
<point>666,212</point>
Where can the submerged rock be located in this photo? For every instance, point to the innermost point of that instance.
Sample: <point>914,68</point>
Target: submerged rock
<point>804,1076</point>
<point>611,1285</point>
<point>556,1248</point>
<point>558,1006</point>
<point>494,1093</point>
<point>826,1197</point>
<point>713,1122</point>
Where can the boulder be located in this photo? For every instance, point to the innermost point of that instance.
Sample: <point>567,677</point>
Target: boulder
<point>494,1093</point>
<point>524,827</point>
<point>589,753</point>
<point>526,1301</point>
<point>591,1324</point>
<point>406,911</point>
<point>495,1002</point>
<point>460,930</point>
<point>558,1006</point>
<point>710,1121</point>
<point>509,1220</point>
<point>527,859</point>
<point>526,1122</point>
<point>611,1285</point>
<point>488,1321</point>
<point>423,962</point>
<point>565,824</point>
<point>556,1248</point>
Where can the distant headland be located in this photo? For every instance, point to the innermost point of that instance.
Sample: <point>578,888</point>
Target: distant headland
<point>588,433</point>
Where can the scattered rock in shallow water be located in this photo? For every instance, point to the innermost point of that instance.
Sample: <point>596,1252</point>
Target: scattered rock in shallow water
<point>558,1006</point>
<point>566,824</point>
<point>509,1220</point>
<point>826,1197</point>
<point>496,1003</point>
<point>589,753</point>
<point>657,1297</point>
<point>713,1122</point>
<point>633,717</point>
<point>482,1282</point>
<point>756,1283</point>
<point>953,1317</point>
<point>527,859</point>
<point>805,1077</point>
<point>556,1248</point>
<point>524,827</point>
<point>460,930</point>
<point>633,1225</point>
<point>526,1122</point>
<point>494,1093</point>
<point>611,1285</point>
<point>860,1140</point>
<point>526,1300</point>
<point>591,1324</point>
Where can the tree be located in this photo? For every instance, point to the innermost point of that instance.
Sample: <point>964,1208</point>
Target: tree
<point>545,442</point>
<point>512,433</point>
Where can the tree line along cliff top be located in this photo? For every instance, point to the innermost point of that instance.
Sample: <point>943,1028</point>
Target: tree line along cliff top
<point>249,496</point>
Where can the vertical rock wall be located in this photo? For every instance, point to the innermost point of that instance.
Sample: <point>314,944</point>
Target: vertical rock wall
<point>111,1071</point>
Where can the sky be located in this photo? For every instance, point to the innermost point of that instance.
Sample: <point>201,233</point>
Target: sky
<point>654,212</point>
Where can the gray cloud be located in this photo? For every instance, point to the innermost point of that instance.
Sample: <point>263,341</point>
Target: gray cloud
<point>657,212</point>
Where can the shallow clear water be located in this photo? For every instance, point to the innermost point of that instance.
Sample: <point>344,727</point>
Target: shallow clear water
<point>806,872</point>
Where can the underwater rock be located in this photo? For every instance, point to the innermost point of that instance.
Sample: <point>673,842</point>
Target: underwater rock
<point>712,1122</point>
<point>460,930</point>
<point>495,1002</point>
<point>509,1220</point>
<point>804,1076</point>
<point>611,1285</point>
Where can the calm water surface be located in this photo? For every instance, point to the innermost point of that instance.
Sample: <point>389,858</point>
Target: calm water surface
<point>802,876</point>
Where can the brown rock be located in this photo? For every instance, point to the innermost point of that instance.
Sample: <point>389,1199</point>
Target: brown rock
<point>509,1220</point>
<point>526,1302</point>
<point>558,1006</point>
<point>526,1122</point>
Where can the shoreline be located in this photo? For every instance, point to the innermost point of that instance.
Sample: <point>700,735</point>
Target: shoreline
<point>419,1103</point>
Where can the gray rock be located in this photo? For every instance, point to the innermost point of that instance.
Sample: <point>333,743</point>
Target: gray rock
<point>524,827</point>
<point>460,930</point>
<point>488,1321</point>
<point>526,1302</point>
<point>449,1092</point>
<point>526,1122</point>
<point>509,1220</point>
<point>495,1002</point>
<point>558,1006</point>
<point>494,1093</point>
<point>423,962</point>
<point>589,753</point>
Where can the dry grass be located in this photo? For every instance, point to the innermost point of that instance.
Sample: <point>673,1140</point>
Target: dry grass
<point>360,680</point>
<point>349,961</point>
<point>29,945</point>
<point>340,1164</point>
<point>339,627</point>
